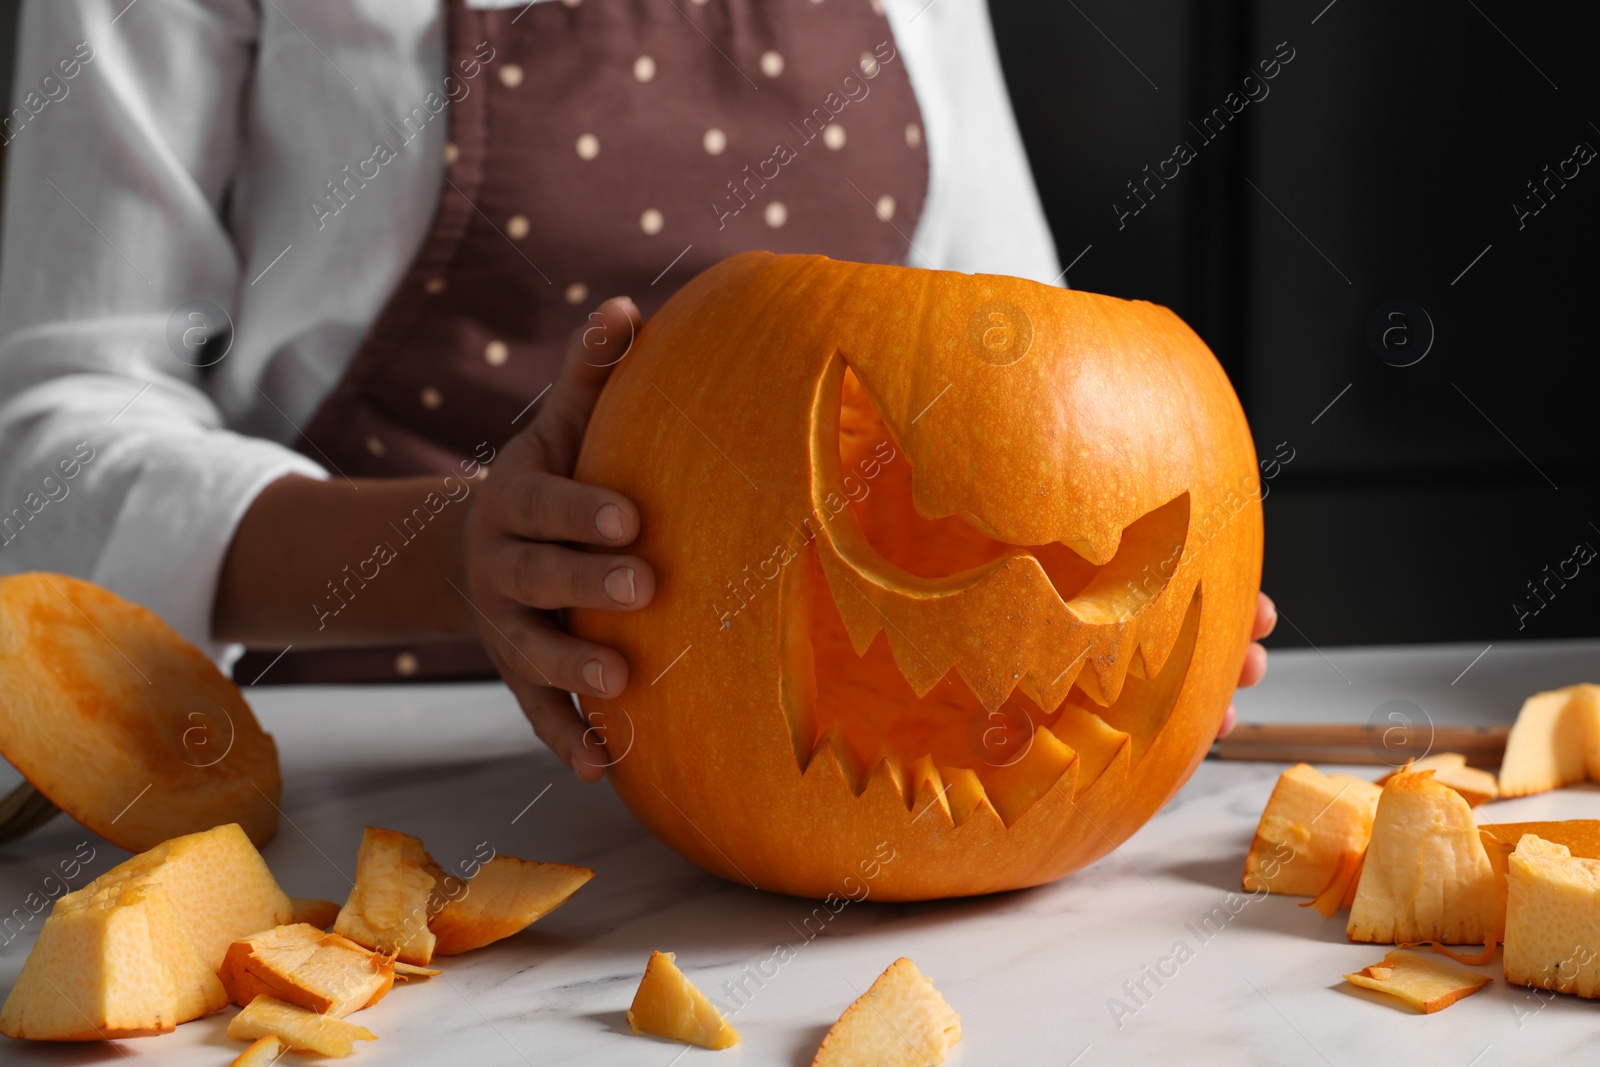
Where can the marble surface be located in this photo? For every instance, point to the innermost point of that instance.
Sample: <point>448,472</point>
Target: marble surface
<point>1036,975</point>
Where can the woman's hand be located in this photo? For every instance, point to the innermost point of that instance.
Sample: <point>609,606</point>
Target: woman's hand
<point>1255,657</point>
<point>515,564</point>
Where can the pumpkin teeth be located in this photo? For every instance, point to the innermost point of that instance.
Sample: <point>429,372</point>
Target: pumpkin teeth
<point>1070,747</point>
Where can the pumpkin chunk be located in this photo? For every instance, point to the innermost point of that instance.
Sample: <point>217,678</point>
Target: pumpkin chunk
<point>388,907</point>
<point>1552,927</point>
<point>901,1021</point>
<point>127,727</point>
<point>300,964</point>
<point>314,910</point>
<point>117,962</point>
<point>1310,821</point>
<point>263,1052</point>
<point>504,896</point>
<point>216,879</point>
<point>1427,983</point>
<point>1426,876</point>
<point>1548,745</point>
<point>668,1005</point>
<point>306,1031</point>
<point>1476,786</point>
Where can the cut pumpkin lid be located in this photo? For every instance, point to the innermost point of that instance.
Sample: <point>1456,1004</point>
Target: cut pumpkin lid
<point>115,719</point>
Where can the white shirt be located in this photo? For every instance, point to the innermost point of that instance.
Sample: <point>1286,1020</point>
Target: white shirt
<point>177,163</point>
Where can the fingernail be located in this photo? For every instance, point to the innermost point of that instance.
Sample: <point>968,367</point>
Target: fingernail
<point>608,520</point>
<point>594,675</point>
<point>619,586</point>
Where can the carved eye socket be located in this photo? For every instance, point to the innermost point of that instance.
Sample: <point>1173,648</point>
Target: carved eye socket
<point>880,496</point>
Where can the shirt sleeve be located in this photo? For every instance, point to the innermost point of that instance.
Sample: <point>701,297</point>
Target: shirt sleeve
<point>115,464</point>
<point>982,213</point>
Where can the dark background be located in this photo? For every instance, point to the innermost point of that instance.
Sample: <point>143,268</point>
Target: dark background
<point>1418,506</point>
<point>1384,159</point>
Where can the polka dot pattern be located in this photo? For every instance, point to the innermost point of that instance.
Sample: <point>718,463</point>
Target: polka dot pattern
<point>614,160</point>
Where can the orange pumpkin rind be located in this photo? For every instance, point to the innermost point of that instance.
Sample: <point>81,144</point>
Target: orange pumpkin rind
<point>897,546</point>
<point>122,723</point>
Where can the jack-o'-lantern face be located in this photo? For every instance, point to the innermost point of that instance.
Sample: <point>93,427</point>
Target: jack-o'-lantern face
<point>958,567</point>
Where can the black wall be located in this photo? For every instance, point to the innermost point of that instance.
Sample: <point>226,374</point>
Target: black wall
<point>1379,164</point>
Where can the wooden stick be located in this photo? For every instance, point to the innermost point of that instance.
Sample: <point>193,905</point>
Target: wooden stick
<point>1376,744</point>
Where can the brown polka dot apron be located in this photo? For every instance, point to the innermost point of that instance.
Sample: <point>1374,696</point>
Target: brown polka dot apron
<point>602,148</point>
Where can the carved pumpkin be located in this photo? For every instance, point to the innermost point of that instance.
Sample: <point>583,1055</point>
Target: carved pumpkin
<point>955,573</point>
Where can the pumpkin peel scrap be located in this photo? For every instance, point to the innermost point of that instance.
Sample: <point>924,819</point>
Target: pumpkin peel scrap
<point>1340,889</point>
<point>1450,768</point>
<point>1076,525</point>
<point>306,1031</point>
<point>1427,984</point>
<point>505,895</point>
<point>302,965</point>
<point>263,1052</point>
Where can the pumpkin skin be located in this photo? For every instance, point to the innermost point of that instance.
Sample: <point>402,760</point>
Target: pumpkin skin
<point>955,574</point>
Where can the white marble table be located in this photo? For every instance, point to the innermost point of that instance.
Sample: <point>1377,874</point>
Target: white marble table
<point>1032,973</point>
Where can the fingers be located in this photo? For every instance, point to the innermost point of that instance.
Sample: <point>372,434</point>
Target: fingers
<point>556,721</point>
<point>530,647</point>
<point>591,353</point>
<point>1230,718</point>
<point>1266,617</point>
<point>548,507</point>
<point>1255,666</point>
<point>548,577</point>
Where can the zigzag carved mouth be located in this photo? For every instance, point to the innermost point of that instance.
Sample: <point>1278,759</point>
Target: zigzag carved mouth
<point>851,705</point>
